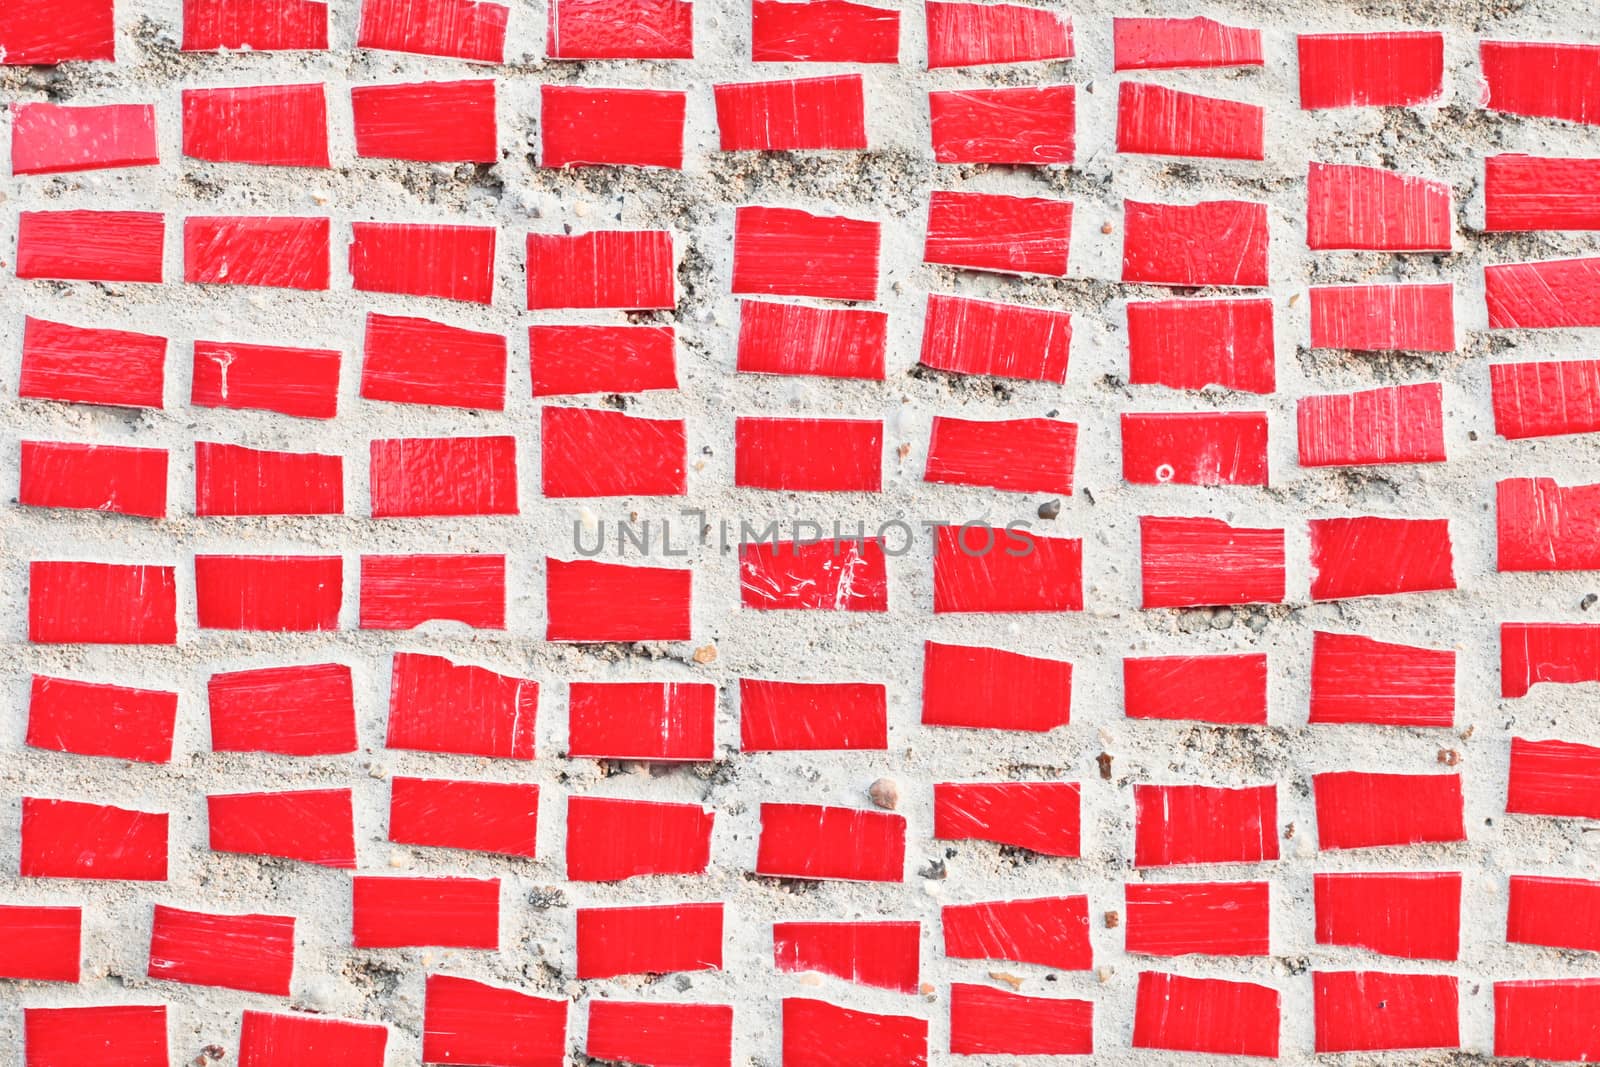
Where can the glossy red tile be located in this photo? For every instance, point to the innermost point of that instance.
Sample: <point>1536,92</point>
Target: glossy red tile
<point>1373,208</point>
<point>587,452</point>
<point>569,360</point>
<point>1384,318</point>
<point>660,1034</point>
<point>1370,1011</point>
<point>56,139</point>
<point>83,365</point>
<point>803,114</point>
<point>430,122</point>
<point>76,839</point>
<point>91,246</point>
<point>814,575</point>
<point>268,125</point>
<point>1555,912</point>
<point>965,336</point>
<point>628,269</point>
<point>1041,817</point>
<point>234,480</point>
<point>499,817</point>
<point>1005,234</point>
<point>1018,455</point>
<point>1547,1019</point>
<point>1048,931</point>
<point>656,939</point>
<point>983,569</point>
<point>129,1035</point>
<point>818,1034</point>
<point>1228,689</point>
<point>295,711</point>
<point>72,602</point>
<point>1205,1015</point>
<point>1190,344</point>
<point>1161,43</point>
<point>970,35</point>
<point>410,360</point>
<point>295,1040</point>
<point>436,705</point>
<point>1542,526</point>
<point>795,339</point>
<point>277,594</point>
<point>823,31</point>
<point>1553,778</point>
<point>581,127</point>
<point>1357,809</point>
<point>290,381</point>
<point>642,720</point>
<point>472,1022</point>
<point>988,1021</point>
<point>992,689</point>
<point>880,954</point>
<point>94,719</point>
<point>808,455</point>
<point>1177,824</point>
<point>397,912</point>
<point>257,25</point>
<point>1221,448</point>
<point>1198,918</point>
<point>777,716</point>
<point>620,29</point>
<point>403,592</point>
<point>424,476</point>
<point>589,601</point>
<point>1532,652</point>
<point>1215,242</point>
<point>1355,679</point>
<point>474,30</point>
<point>1195,562</point>
<point>448,262</point>
<point>282,253</point>
<point>1546,399</point>
<point>1413,915</point>
<point>254,953</point>
<point>1023,125</point>
<point>831,843</point>
<point>33,32</point>
<point>43,942</point>
<point>1541,79</point>
<point>1153,120</point>
<point>1539,193</point>
<point>110,478</point>
<point>1369,555</point>
<point>1550,294</point>
<point>1393,424</point>
<point>789,252</point>
<point>609,840</point>
<point>309,825</point>
<point>1370,69</point>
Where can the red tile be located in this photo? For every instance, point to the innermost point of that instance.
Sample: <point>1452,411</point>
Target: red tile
<point>609,840</point>
<point>580,126</point>
<point>290,381</point>
<point>278,594</point>
<point>1041,817</point>
<point>55,139</point>
<point>499,817</point>
<point>1220,448</point>
<point>1049,931</point>
<point>1531,652</point>
<point>788,252</point>
<point>1373,208</point>
<point>1005,234</point>
<point>880,954</point>
<point>1230,689</point>
<point>1356,809</point>
<point>988,1021</point>
<point>254,953</point>
<point>256,25</point>
<point>808,455</point>
<point>1538,193</point>
<point>426,476</point>
<point>1393,424</point>
<point>1546,399</point>
<point>1542,526</point>
<point>660,1034</point>
<point>90,719</point>
<point>458,29</point>
<point>1205,1015</point>
<point>595,602</point>
<point>93,246</point>
<point>971,35</point>
<point>129,1035</point>
<point>1198,918</point>
<point>403,592</point>
<point>1553,778</point>
<point>991,689</point>
<point>1196,562</point>
<point>269,125</point>
<point>282,253</point>
<point>628,269</point>
<point>1153,120</point>
<point>568,360</point>
<point>418,361</point>
<point>1370,69</point>
<point>1025,125</point>
<point>123,481</point>
<point>71,602</point>
<point>1368,555</point>
<point>471,1022</point>
<point>439,706</point>
<point>1384,318</point>
<point>841,575</point>
<point>448,262</point>
<point>819,1034</point>
<point>1355,679</point>
<point>658,939</point>
<point>44,32</point>
<point>398,912</point>
<point>1555,912</point>
<point>1190,344</point>
<point>296,711</point>
<point>234,480</point>
<point>81,365</point>
<point>1366,1011</point>
<point>271,1040</point>
<point>1163,43</point>
<point>587,452</point>
<point>308,825</point>
<point>965,336</point>
<point>431,122</point>
<point>1541,79</point>
<point>1215,242</point>
<point>823,31</point>
<point>983,569</point>
<point>1179,824</point>
<point>42,943</point>
<point>812,716</point>
<point>794,339</point>
<point>1552,1019</point>
<point>1550,294</point>
<point>620,29</point>
<point>831,843</point>
<point>799,115</point>
<point>1017,455</point>
<point>1414,915</point>
<point>74,839</point>
<point>642,720</point>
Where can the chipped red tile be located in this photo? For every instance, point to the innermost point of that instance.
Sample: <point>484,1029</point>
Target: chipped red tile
<point>656,939</point>
<point>44,32</point>
<point>581,126</point>
<point>91,719</point>
<point>1365,1011</point>
<point>1164,43</point>
<point>1049,931</point>
<point>268,125</point>
<point>569,360</point>
<point>595,452</point>
<point>1356,809</point>
<point>1548,1019</point>
<point>1414,915</point>
<point>308,825</point>
<point>1026,125</point>
<point>111,478</point>
<point>802,114</point>
<point>831,843</point>
<point>282,253</point>
<point>75,839</point>
<point>254,953</point>
<point>1546,399</point>
<point>93,246</point>
<point>42,943</point>
<point>966,336</point>
<point>271,1040</point>
<point>1370,555</point>
<point>1004,234</point>
<point>970,35</point>
<point>278,594</point>
<point>992,689</point>
<point>1041,817</point>
<point>425,476</point>
<point>620,29</point>
<point>234,480</point>
<point>1554,912</point>
<point>295,711</point>
<point>290,381</point>
<point>1228,689</point>
<point>1523,193</point>
<point>609,840</point>
<point>448,262</point>
<point>1214,242</point>
<point>1541,79</point>
<point>1198,918</point>
<point>660,1034</point>
<point>56,139</point>
<point>472,1022</point>
<point>1373,208</point>
<point>1550,294</point>
<point>1384,318</point>
<point>984,569</point>
<point>128,1035</point>
<point>1542,526</point>
<point>1217,448</point>
<point>1205,1015</point>
<point>823,31</point>
<point>399,912</point>
<point>1178,824</point>
<point>439,706</point>
<point>254,25</point>
<point>1533,652</point>
<point>72,602</point>
<point>880,954</point>
<point>82,365</point>
<point>1355,679</point>
<point>795,339</point>
<point>1393,424</point>
<point>1190,344</point>
<point>499,817</point>
<point>839,575</point>
<point>789,252</point>
<point>808,455</point>
<point>418,361</point>
<point>590,601</point>
<point>779,716</point>
<point>819,1034</point>
<point>1370,69</point>
<point>460,29</point>
<point>988,1021</point>
<point>403,592</point>
<point>1198,562</point>
<point>642,720</point>
<point>1553,778</point>
<point>431,122</point>
<point>1018,455</point>
<point>627,269</point>
<point>1153,120</point>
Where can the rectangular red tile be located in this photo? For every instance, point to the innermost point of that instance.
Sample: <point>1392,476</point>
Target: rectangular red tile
<point>795,339</point>
<point>303,382</point>
<point>278,594</point>
<point>777,716</point>
<point>299,1040</point>
<point>841,575</point>
<point>1220,448</point>
<point>1554,912</point>
<point>1005,234</point>
<point>609,839</point>
<point>1373,1011</point>
<point>415,259</point>
<point>1522,193</point>
<point>499,817</point>
<point>971,35</point>
<point>803,114</point>
<point>586,452</point>
<point>1373,208</point>
<point>1413,915</point>
<point>403,592</point>
<point>43,943</point>
<point>642,720</point>
<point>83,365</point>
<point>129,1035</point>
<point>410,360</point>
<point>1017,455</point>
<point>660,1033</point>
<point>988,1021</point>
<point>1531,652</point>
<point>992,689</point>
<point>397,912</point>
<point>837,256</point>
<point>1357,809</point>
<point>808,455</point>
<point>966,336</point>
<point>309,825</point>
<point>472,1022</point>
<point>1541,79</point>
<point>72,602</point>
<point>879,954</point>
<point>111,478</point>
<point>628,269</point>
<point>436,705</point>
<point>1205,1015</point>
<point>268,125</point>
<point>61,31</point>
<point>1550,294</point>
<point>94,719</point>
<point>1179,824</point>
<point>1023,125</point>
<point>588,601</point>
<point>1393,424</point>
<point>655,939</point>
<point>1370,555</point>
<point>1197,562</point>
<point>581,127</point>
<point>1041,817</point>
<point>234,480</point>
<point>281,253</point>
<point>92,246</point>
<point>831,843</point>
<point>57,139</point>
<point>823,31</point>
<point>816,1034</point>
<point>1384,318</point>
<point>1164,43</point>
<point>1542,526</point>
<point>568,360</point>
<point>256,25</point>
<point>1153,120</point>
<point>254,953</point>
<point>1048,931</point>
<point>1558,778</point>
<point>457,29</point>
<point>983,569</point>
<point>76,839</point>
<point>295,711</point>
<point>1370,69</point>
<point>1215,242</point>
<point>1547,1019</point>
<point>1190,344</point>
<point>426,476</point>
<point>1546,399</point>
<point>430,122</point>
<point>1355,679</point>
<point>1198,918</point>
<point>620,29</point>
<point>1229,689</point>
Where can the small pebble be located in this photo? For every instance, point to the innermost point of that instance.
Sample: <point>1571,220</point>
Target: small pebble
<point>885,793</point>
<point>1050,509</point>
<point>1106,227</point>
<point>1588,602</point>
<point>1222,620</point>
<point>1012,980</point>
<point>1113,920</point>
<point>705,654</point>
<point>1449,757</point>
<point>1104,759</point>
